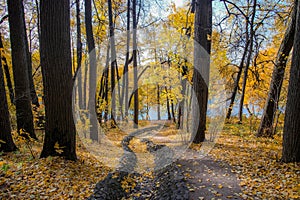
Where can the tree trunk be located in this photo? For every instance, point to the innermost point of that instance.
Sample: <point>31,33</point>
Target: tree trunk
<point>6,141</point>
<point>79,54</point>
<point>135,70</point>
<point>7,74</point>
<point>20,67</point>
<point>252,34</point>
<point>92,71</point>
<point>57,78</point>
<point>158,102</point>
<point>266,125</point>
<point>113,62</point>
<point>291,131</point>
<point>202,48</point>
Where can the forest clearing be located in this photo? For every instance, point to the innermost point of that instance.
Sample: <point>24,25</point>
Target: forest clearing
<point>141,99</point>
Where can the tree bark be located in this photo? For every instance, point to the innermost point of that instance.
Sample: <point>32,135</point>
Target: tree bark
<point>203,29</point>
<point>92,71</point>
<point>6,141</point>
<point>20,67</point>
<point>248,62</point>
<point>135,70</point>
<point>266,125</point>
<point>7,74</point>
<point>79,54</point>
<point>57,78</point>
<point>291,131</point>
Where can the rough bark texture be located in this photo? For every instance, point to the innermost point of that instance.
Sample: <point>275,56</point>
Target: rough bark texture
<point>203,28</point>
<point>20,67</point>
<point>267,120</point>
<point>6,141</point>
<point>57,78</point>
<point>92,71</point>
<point>291,132</point>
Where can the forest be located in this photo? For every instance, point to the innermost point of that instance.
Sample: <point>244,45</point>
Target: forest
<point>141,99</point>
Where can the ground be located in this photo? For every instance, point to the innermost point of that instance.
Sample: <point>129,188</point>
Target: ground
<point>240,166</point>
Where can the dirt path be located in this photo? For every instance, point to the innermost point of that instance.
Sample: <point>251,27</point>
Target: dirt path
<point>209,179</point>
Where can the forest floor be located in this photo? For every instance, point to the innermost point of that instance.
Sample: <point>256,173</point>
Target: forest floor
<point>240,166</point>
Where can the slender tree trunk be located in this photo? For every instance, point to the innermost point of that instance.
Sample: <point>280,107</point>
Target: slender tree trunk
<point>57,78</point>
<point>158,102</point>
<point>6,141</point>
<point>291,131</point>
<point>125,71</point>
<point>113,62</point>
<point>252,33</point>
<point>7,74</point>
<point>266,125</point>
<point>20,67</point>
<point>92,71</point>
<point>135,70</point>
<point>238,77</point>
<point>203,28</point>
<point>79,54</point>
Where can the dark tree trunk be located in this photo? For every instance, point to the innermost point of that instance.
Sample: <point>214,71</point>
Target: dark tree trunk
<point>267,120</point>
<point>92,71</point>
<point>203,28</point>
<point>158,102</point>
<point>113,62</point>
<point>168,105</point>
<point>125,71</point>
<point>6,141</point>
<point>79,55</point>
<point>57,78</point>
<point>7,74</point>
<point>20,67</point>
<point>291,131</point>
<point>135,70</point>
<point>249,57</point>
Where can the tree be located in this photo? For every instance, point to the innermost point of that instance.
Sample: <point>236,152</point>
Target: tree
<point>92,70</point>
<point>20,66</point>
<point>291,131</point>
<point>6,141</point>
<point>271,105</point>
<point>203,28</point>
<point>135,70</point>
<point>57,79</point>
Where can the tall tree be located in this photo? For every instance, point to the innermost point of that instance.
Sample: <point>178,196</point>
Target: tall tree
<point>79,54</point>
<point>135,70</point>
<point>6,141</point>
<point>203,28</point>
<point>20,66</point>
<point>57,78</point>
<point>113,61</point>
<point>266,125</point>
<point>291,131</point>
<point>92,70</point>
<point>249,58</point>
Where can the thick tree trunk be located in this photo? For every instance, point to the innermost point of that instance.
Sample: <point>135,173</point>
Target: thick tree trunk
<point>57,78</point>
<point>92,71</point>
<point>291,131</point>
<point>203,28</point>
<point>135,70</point>
<point>266,125</point>
<point>6,141</point>
<point>20,67</point>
